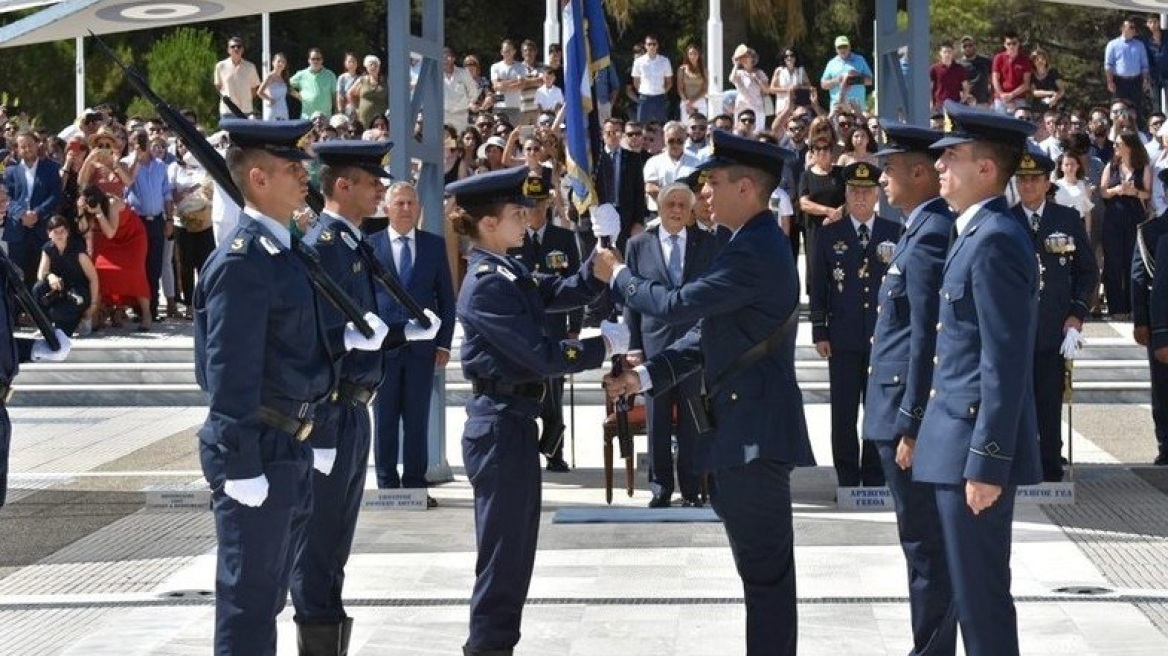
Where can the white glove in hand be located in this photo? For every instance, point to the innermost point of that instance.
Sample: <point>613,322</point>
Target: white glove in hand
<point>616,336</point>
<point>416,333</point>
<point>355,340</point>
<point>323,460</point>
<point>248,491</point>
<point>1072,343</point>
<point>42,353</point>
<point>605,221</point>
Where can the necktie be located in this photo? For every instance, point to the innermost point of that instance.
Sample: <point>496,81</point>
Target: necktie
<point>616,177</point>
<point>1034,219</point>
<point>406,266</point>
<point>535,243</point>
<point>862,231</point>
<point>674,263</point>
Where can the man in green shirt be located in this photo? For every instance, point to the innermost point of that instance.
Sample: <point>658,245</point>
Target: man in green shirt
<point>315,86</point>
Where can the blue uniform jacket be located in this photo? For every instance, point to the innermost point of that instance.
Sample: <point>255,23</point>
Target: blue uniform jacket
<point>1158,297</point>
<point>1148,239</point>
<point>260,340</point>
<point>43,198</point>
<point>430,284</point>
<point>906,330</point>
<point>845,283</point>
<point>501,306</point>
<point>13,350</point>
<point>644,258</point>
<point>749,291</point>
<point>1067,281</point>
<point>560,255</point>
<point>981,423</point>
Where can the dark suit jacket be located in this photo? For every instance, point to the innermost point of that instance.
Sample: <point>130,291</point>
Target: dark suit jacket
<point>1068,281</point>
<point>644,257</point>
<point>430,285</point>
<point>1147,240</point>
<point>558,254</point>
<point>749,291</point>
<point>905,339</point>
<point>629,195</point>
<point>981,425</point>
<point>845,281</point>
<point>44,197</point>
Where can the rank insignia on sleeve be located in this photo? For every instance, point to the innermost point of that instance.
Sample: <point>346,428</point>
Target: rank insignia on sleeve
<point>572,351</point>
<point>631,289</point>
<point>237,244</point>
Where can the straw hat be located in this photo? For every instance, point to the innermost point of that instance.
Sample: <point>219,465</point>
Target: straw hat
<point>741,51</point>
<point>106,134</point>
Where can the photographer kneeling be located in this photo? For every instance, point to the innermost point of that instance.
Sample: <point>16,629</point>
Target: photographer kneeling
<point>66,284</point>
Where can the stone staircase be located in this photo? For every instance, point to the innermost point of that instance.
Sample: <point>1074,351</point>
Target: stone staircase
<point>156,369</point>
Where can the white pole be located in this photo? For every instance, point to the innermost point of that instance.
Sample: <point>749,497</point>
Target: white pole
<point>1163,91</point>
<point>713,59</point>
<point>79,91</point>
<point>266,37</point>
<point>551,26</point>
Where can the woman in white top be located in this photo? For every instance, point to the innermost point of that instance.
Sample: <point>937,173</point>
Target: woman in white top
<point>788,77</point>
<point>750,83</point>
<point>1070,186</point>
<point>274,90</point>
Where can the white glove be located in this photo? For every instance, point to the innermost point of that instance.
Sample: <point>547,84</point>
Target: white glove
<point>605,221</point>
<point>1072,343</point>
<point>323,460</point>
<point>616,336</point>
<point>355,340</point>
<point>416,333</point>
<point>248,491</point>
<point>42,353</point>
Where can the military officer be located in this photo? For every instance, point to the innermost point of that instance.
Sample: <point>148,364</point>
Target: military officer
<point>551,249</point>
<point>902,373</point>
<point>747,302</point>
<point>1067,279</point>
<point>978,440</point>
<point>350,177</point>
<point>845,279</point>
<point>507,356</point>
<point>1143,274</point>
<point>265,359</point>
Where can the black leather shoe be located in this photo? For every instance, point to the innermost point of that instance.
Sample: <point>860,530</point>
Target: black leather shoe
<point>691,502</point>
<point>660,501</point>
<point>431,502</point>
<point>558,465</point>
<point>1161,460</point>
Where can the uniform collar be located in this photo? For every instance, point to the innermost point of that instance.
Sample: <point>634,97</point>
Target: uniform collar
<point>278,230</point>
<point>965,217</point>
<point>345,223</point>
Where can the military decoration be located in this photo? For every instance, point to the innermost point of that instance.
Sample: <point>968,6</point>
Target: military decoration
<point>840,247</point>
<point>885,250</point>
<point>556,260</point>
<point>838,275</point>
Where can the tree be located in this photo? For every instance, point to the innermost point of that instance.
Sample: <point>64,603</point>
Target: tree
<point>178,68</point>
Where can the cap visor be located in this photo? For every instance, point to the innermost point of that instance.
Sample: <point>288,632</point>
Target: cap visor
<point>891,150</point>
<point>715,163</point>
<point>951,140</point>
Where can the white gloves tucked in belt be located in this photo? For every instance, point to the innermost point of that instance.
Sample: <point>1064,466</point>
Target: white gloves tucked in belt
<point>355,340</point>
<point>616,336</point>
<point>248,491</point>
<point>323,460</point>
<point>1073,342</point>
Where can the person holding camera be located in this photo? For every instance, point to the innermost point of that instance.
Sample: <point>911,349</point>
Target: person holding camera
<point>66,284</point>
<point>119,256</point>
<point>847,76</point>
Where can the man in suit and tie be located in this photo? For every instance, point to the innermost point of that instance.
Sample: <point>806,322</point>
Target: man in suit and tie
<point>419,260</point>
<point>978,441</point>
<point>1143,278</point>
<point>34,194</point>
<point>902,373</point>
<point>1068,277</point>
<point>551,249</point>
<point>744,349</point>
<point>620,182</point>
<point>846,270</point>
<point>670,253</point>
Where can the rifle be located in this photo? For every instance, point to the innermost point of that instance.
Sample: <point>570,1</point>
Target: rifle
<point>624,433</point>
<point>23,296</point>
<point>216,167</point>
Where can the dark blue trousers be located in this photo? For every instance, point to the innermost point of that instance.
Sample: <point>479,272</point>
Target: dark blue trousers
<point>653,108</point>
<point>552,416</point>
<point>26,255</point>
<point>754,502</point>
<point>930,594</point>
<point>855,464</point>
<point>403,409</point>
<point>5,442</point>
<point>155,245</point>
<point>257,546</point>
<point>1048,401</point>
<point>1119,243</point>
<point>1159,376</point>
<point>978,551</point>
<point>318,576</point>
<point>659,412</point>
<point>501,454</point>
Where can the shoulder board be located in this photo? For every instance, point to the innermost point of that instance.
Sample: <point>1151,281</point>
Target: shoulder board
<point>239,245</point>
<point>493,267</point>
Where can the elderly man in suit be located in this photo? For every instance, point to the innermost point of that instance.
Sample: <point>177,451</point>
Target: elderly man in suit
<point>673,254</point>
<point>978,441</point>
<point>34,193</point>
<point>744,349</point>
<point>402,409</point>
<point>1068,278</point>
<point>902,373</point>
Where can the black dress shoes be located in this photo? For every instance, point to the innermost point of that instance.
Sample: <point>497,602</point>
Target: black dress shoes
<point>1161,460</point>
<point>431,502</point>
<point>558,465</point>
<point>660,501</point>
<point>692,502</point>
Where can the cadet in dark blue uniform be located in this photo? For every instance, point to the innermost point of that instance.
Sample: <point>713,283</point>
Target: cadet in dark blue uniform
<point>1143,274</point>
<point>744,347</point>
<point>265,359</point>
<point>551,249</point>
<point>507,356</point>
<point>1068,277</point>
<point>350,178</point>
<point>902,372</point>
<point>978,440</point>
<point>850,259</point>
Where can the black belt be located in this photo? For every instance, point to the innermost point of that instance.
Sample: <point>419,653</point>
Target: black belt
<point>297,422</point>
<point>530,391</point>
<point>352,393</point>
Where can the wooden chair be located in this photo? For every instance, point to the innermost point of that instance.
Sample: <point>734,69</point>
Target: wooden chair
<point>637,426</point>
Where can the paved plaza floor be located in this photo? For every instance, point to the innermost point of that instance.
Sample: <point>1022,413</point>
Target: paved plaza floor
<point>87,568</point>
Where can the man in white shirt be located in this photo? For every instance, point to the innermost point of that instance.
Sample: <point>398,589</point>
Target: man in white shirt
<point>458,91</point>
<point>549,97</point>
<point>507,77</point>
<point>653,78</point>
<point>668,166</point>
<point>236,78</point>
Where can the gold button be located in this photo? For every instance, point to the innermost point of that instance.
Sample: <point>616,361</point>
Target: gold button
<point>733,396</point>
<point>896,379</point>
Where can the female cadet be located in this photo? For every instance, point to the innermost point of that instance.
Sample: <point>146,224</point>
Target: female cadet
<point>508,358</point>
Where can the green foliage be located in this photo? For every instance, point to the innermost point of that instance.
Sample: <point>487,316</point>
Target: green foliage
<point>178,68</point>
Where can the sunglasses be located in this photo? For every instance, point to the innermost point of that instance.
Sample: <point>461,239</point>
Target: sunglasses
<point>746,119</point>
<point>235,46</point>
<point>314,59</point>
<point>821,149</point>
<point>532,149</point>
<point>795,128</point>
<point>633,134</point>
<point>675,142</point>
<point>845,124</point>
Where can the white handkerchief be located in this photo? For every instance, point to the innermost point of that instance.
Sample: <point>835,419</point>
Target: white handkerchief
<point>893,270</point>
